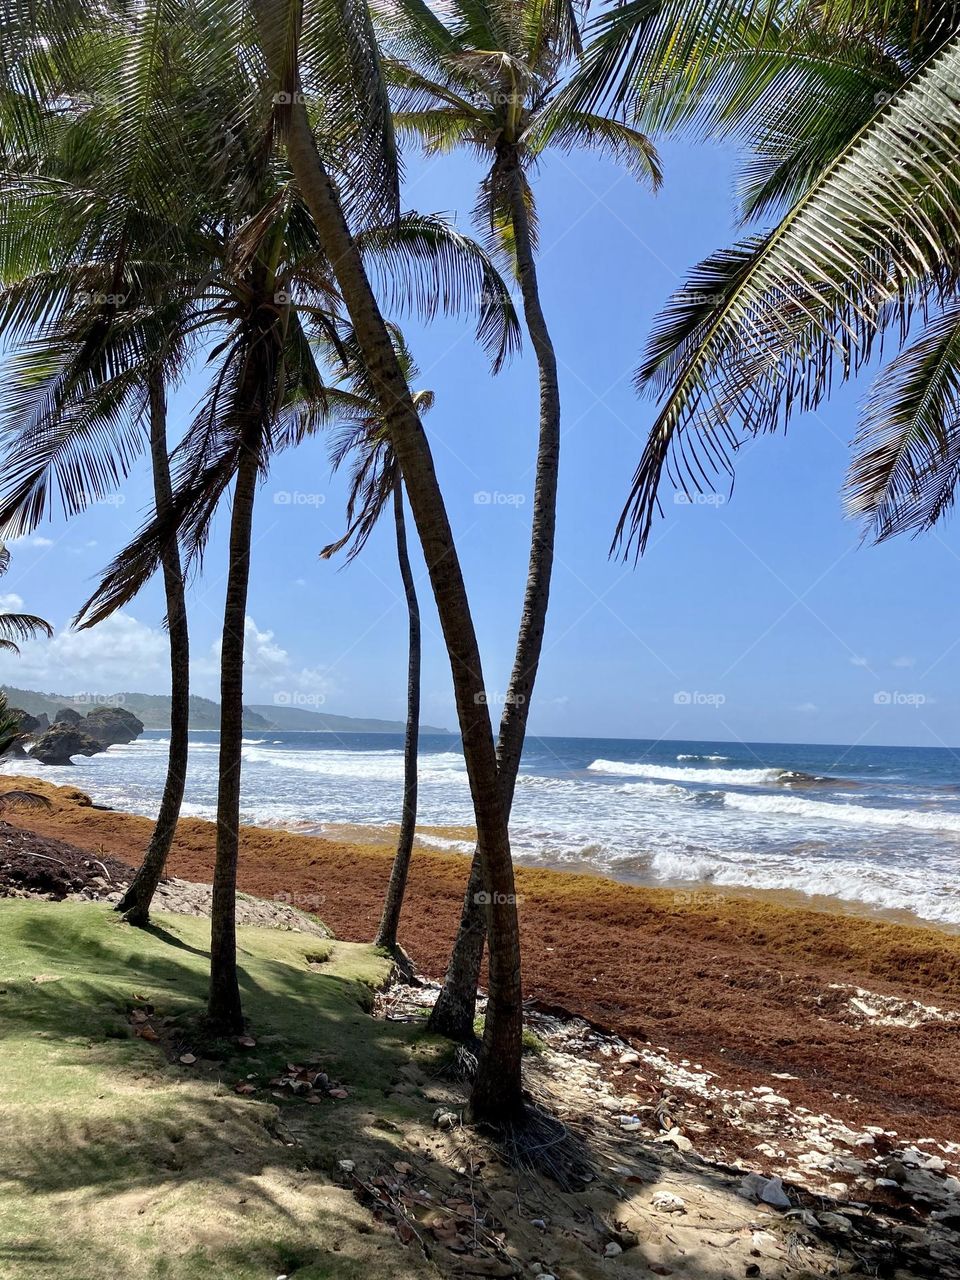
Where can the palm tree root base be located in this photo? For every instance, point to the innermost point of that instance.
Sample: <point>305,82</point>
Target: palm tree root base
<point>538,1142</point>
<point>403,971</point>
<point>133,914</point>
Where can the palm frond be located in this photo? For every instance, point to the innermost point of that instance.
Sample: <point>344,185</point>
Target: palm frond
<point>22,799</point>
<point>327,51</point>
<point>904,475</point>
<point>869,241</point>
<point>575,130</point>
<point>633,45</point>
<point>424,265</point>
<point>16,628</point>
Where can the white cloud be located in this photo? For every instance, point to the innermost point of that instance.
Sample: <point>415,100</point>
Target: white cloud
<point>123,654</point>
<point>859,662</point>
<point>118,654</point>
<point>268,671</point>
<point>34,540</point>
<point>807,707</point>
<point>904,662</point>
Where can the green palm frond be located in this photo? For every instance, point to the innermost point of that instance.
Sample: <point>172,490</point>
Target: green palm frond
<point>17,628</point>
<point>907,464</point>
<point>361,439</point>
<point>569,130</point>
<point>327,51</point>
<point>438,129</point>
<point>424,265</point>
<point>632,46</point>
<point>869,241</point>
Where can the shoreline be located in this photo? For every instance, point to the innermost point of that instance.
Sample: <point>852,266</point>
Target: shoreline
<point>751,988</point>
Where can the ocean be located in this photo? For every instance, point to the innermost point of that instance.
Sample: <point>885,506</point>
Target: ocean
<point>878,826</point>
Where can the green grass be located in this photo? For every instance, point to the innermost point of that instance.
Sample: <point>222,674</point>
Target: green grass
<point>116,1162</point>
<point>531,1042</point>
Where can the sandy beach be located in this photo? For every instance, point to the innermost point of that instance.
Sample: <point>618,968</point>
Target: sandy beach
<point>860,1011</point>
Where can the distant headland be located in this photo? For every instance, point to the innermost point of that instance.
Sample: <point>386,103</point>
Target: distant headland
<point>154,710</point>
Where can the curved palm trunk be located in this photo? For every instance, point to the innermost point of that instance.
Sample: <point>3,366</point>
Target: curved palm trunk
<point>497,1094</point>
<point>390,920</point>
<point>135,903</point>
<point>224,1010</point>
<point>453,1014</point>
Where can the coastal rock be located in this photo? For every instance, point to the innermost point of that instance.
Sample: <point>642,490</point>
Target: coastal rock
<point>61,742</point>
<point>765,1191</point>
<point>667,1202</point>
<point>67,715</point>
<point>29,723</point>
<point>111,725</point>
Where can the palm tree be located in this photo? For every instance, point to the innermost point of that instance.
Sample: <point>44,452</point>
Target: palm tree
<point>135,903</point>
<point>340,59</point>
<point>852,117</point>
<point>375,482</point>
<point>268,288</point>
<point>349,170</point>
<point>486,76</point>
<point>18,627</point>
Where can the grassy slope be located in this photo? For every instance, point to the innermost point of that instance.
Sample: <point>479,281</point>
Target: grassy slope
<point>114,1162</point>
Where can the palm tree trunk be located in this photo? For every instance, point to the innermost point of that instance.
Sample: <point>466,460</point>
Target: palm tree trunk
<point>453,1014</point>
<point>135,904</point>
<point>390,920</point>
<point>224,1010</point>
<point>497,1096</point>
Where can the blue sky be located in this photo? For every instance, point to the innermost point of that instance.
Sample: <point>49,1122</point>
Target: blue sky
<point>761,618</point>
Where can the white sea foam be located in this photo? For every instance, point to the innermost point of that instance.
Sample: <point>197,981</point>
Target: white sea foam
<point>659,790</point>
<point>884,888</point>
<point>820,812</point>
<point>687,757</point>
<point>686,820</point>
<point>445,843</point>
<point>367,766</point>
<point>715,777</point>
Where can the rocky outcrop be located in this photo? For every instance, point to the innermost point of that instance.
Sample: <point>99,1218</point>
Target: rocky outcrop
<point>63,741</point>
<point>67,715</point>
<point>111,725</point>
<point>29,723</point>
